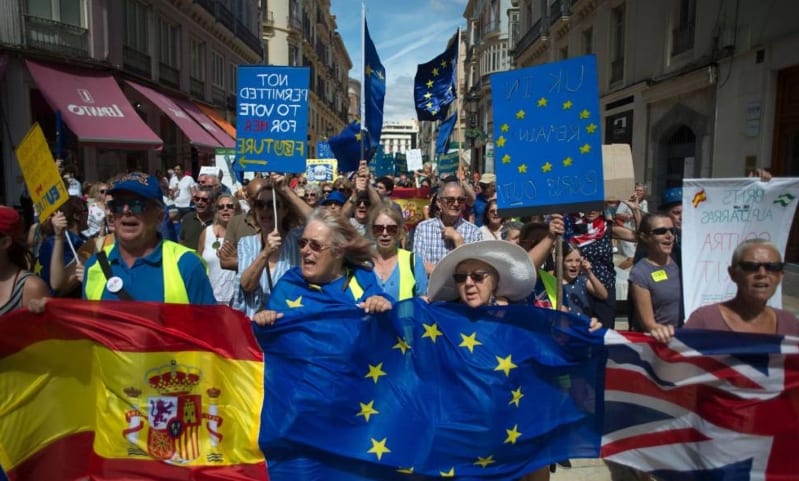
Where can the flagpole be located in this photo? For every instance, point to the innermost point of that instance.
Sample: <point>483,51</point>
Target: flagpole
<point>459,105</point>
<point>363,75</point>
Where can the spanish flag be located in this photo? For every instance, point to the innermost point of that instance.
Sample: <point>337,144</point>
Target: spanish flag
<point>130,390</point>
<point>699,197</point>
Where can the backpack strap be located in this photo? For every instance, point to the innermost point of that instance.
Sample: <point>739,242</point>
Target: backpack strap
<point>102,259</point>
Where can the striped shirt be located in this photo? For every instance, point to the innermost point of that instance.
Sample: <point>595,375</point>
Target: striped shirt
<point>430,244</point>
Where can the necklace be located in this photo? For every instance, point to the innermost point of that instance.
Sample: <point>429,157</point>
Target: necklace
<point>216,243</point>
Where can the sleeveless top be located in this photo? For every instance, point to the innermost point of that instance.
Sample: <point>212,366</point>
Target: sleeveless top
<point>15,299</point>
<point>223,281</point>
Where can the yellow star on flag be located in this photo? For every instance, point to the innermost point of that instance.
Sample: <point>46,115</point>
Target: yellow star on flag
<point>506,159</point>
<point>443,63</point>
<point>358,136</point>
<point>585,149</point>
<point>505,127</point>
<point>367,410</point>
<point>405,470</point>
<point>516,396</point>
<point>469,341</point>
<point>546,167</point>
<point>430,84</point>
<point>448,474</point>
<point>501,141</point>
<point>401,344</point>
<point>542,102</point>
<point>520,114</point>
<point>523,169</point>
<point>590,128</point>
<point>584,114</point>
<point>380,74</point>
<point>295,303</point>
<point>429,105</point>
<point>368,70</point>
<point>431,331</point>
<point>513,434</point>
<point>375,372</point>
<point>378,448</point>
<point>567,105</point>
<point>504,365</point>
<point>567,161</point>
<point>484,462</point>
<point>428,95</point>
<point>435,71</point>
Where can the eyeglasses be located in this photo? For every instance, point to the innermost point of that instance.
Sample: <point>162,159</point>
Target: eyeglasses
<point>102,191</point>
<point>226,206</point>
<point>454,200</point>
<point>197,198</point>
<point>663,231</point>
<point>476,276</point>
<point>312,195</point>
<point>315,245</point>
<point>391,229</point>
<point>262,204</point>
<point>363,202</point>
<point>135,206</point>
<point>748,266</point>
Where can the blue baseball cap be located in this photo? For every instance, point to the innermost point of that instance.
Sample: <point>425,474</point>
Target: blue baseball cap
<point>334,197</point>
<point>141,184</point>
<point>671,197</point>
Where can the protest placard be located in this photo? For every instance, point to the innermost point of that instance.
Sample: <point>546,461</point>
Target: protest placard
<point>547,139</point>
<point>321,170</point>
<point>719,214</point>
<point>45,185</point>
<point>272,118</point>
<point>414,159</point>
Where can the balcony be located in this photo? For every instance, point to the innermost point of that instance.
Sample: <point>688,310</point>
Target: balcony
<point>169,75</point>
<point>197,87</point>
<point>223,15</point>
<point>250,39</point>
<point>136,61</point>
<point>46,34</point>
<point>217,95</point>
<point>682,39</point>
<point>529,38</point>
<point>269,24</point>
<point>617,70</point>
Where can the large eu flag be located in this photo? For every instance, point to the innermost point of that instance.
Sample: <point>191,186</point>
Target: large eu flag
<point>347,146</point>
<point>434,85</point>
<point>432,390</point>
<point>374,78</point>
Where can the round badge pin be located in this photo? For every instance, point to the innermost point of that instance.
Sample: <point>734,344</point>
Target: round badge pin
<point>114,284</point>
<point>216,245</point>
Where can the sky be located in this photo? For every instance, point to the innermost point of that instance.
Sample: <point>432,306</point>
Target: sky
<point>405,33</point>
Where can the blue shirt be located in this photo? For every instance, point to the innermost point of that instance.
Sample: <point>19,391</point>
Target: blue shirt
<point>293,294</point>
<point>430,244</point>
<point>46,254</point>
<point>392,285</point>
<point>144,280</point>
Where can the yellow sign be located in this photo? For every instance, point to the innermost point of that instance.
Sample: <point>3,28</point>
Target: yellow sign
<point>45,185</point>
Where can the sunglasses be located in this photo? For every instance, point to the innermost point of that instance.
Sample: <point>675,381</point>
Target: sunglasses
<point>135,206</point>
<point>391,229</point>
<point>476,276</point>
<point>454,200</point>
<point>262,204</point>
<point>748,266</point>
<point>310,195</point>
<point>362,202</point>
<point>102,191</point>
<point>196,198</point>
<point>663,231</point>
<point>315,245</point>
<point>226,206</point>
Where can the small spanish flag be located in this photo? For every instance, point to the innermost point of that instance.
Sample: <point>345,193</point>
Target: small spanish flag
<point>699,197</point>
<point>124,390</point>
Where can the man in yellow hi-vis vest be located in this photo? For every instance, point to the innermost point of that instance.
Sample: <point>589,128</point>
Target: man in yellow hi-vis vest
<point>141,265</point>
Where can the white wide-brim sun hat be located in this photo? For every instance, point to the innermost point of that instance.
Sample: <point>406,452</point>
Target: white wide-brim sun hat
<point>516,272</point>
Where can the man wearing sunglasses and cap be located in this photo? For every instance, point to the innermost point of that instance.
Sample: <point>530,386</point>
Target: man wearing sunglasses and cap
<point>141,265</point>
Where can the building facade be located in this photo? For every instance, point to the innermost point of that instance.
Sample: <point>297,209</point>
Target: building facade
<point>304,33</point>
<point>184,51</point>
<point>399,137</point>
<point>698,89</point>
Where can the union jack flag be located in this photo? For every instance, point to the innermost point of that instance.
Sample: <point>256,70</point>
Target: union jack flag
<point>721,407</point>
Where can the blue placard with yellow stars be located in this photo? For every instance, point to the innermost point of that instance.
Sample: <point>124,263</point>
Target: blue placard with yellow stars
<point>547,140</point>
<point>433,390</point>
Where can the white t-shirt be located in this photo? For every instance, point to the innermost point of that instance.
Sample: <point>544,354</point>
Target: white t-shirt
<point>183,194</point>
<point>626,248</point>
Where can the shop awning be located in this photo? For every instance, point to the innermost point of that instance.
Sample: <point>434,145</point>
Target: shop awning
<point>93,107</point>
<point>197,135</point>
<point>226,126</point>
<point>208,124</point>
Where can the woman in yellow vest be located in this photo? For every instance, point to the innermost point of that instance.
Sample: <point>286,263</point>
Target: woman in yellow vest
<point>400,272</point>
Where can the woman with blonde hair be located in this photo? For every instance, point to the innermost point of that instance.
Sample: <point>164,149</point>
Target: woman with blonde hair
<point>399,272</point>
<point>211,238</point>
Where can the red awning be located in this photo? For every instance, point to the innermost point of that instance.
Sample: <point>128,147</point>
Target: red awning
<point>197,135</point>
<point>94,107</point>
<point>226,126</point>
<point>206,123</point>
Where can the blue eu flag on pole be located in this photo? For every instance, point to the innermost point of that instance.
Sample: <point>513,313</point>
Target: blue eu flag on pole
<point>434,85</point>
<point>444,133</point>
<point>346,146</point>
<point>374,77</point>
<point>429,390</point>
